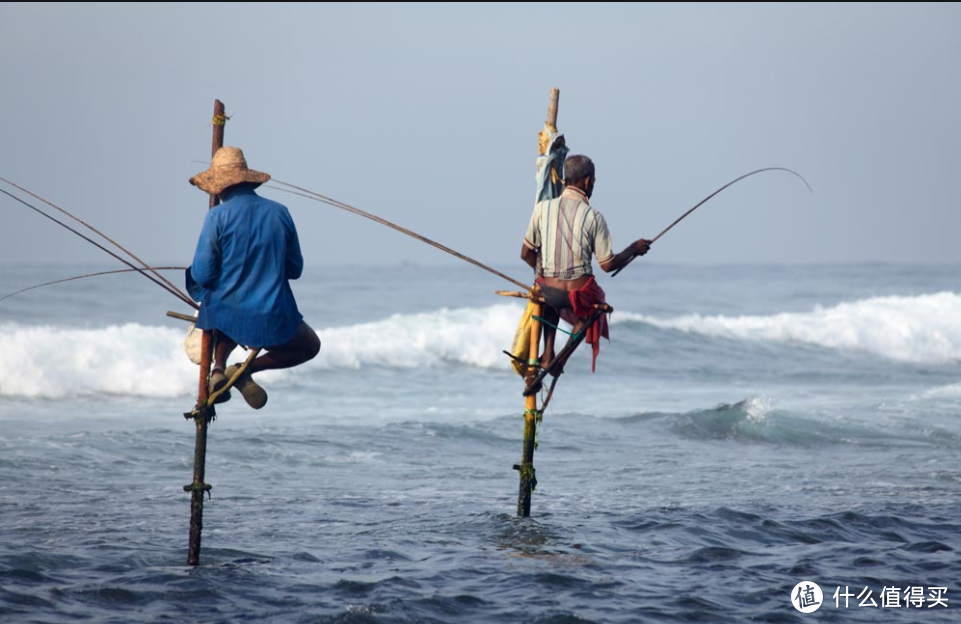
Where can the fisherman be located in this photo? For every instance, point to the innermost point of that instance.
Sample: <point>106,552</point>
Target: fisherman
<point>563,235</point>
<point>247,252</point>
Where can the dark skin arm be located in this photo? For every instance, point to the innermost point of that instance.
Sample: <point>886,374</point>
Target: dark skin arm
<point>637,248</point>
<point>529,256</point>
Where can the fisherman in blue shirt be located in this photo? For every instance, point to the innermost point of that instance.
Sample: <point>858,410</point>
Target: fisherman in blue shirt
<point>247,252</point>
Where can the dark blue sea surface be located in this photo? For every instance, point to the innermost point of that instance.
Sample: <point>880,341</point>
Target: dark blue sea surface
<point>748,428</point>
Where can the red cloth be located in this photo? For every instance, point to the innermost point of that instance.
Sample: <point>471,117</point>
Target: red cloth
<point>583,300</point>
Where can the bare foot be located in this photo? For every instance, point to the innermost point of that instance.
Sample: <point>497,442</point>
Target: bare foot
<point>558,369</point>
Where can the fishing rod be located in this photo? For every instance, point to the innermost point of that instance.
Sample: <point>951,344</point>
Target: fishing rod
<point>357,211</point>
<point>171,289</point>
<point>163,279</point>
<point>76,277</point>
<point>698,205</point>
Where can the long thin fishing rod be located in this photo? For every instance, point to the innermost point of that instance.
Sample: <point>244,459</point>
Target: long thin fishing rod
<point>357,211</point>
<point>76,277</point>
<point>698,205</point>
<point>182,294</point>
<point>172,290</point>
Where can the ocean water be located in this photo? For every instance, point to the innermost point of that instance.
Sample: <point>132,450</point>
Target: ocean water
<point>748,428</point>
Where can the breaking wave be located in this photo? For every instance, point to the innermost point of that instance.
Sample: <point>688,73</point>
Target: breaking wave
<point>923,329</point>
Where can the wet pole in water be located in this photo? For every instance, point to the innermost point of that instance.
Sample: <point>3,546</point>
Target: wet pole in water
<point>531,415</point>
<point>531,418</point>
<point>203,413</point>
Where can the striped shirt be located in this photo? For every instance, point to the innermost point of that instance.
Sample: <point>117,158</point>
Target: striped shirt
<point>567,232</point>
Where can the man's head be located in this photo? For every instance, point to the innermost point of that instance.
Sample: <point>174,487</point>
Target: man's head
<point>228,168</point>
<point>579,173</point>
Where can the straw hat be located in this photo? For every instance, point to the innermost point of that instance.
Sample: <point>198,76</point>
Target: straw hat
<point>227,167</point>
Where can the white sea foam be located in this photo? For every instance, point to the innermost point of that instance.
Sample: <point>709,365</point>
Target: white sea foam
<point>924,328</point>
<point>758,408</point>
<point>950,391</point>
<point>138,360</point>
<point>45,361</point>
<point>468,336</point>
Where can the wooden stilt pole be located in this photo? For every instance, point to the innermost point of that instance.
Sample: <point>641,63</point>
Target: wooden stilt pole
<point>552,107</point>
<point>531,418</point>
<point>528,481</point>
<point>203,414</point>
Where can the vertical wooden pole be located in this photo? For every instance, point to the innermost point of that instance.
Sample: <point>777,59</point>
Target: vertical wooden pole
<point>552,107</point>
<point>219,121</point>
<point>526,467</point>
<point>205,414</point>
<point>531,415</point>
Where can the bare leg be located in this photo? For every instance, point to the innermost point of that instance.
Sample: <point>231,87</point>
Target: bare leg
<point>559,367</point>
<point>304,346</point>
<point>549,314</point>
<point>225,346</point>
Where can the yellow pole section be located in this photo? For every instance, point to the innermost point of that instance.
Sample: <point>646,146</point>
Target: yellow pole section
<point>528,481</point>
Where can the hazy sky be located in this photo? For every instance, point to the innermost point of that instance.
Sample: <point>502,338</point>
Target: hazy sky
<point>427,115</point>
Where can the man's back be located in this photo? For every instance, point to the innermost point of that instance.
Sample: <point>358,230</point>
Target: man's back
<point>247,251</point>
<point>568,232</point>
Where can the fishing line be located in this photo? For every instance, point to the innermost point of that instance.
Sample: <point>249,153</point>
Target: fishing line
<point>171,289</point>
<point>357,211</point>
<point>178,292</point>
<point>696,206</point>
<point>76,277</point>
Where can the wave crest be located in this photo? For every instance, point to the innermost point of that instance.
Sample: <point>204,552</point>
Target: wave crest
<point>922,329</point>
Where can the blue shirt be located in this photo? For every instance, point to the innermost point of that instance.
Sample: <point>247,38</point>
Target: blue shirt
<point>247,251</point>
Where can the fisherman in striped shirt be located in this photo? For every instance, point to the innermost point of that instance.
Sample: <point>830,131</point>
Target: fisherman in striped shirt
<point>563,235</point>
